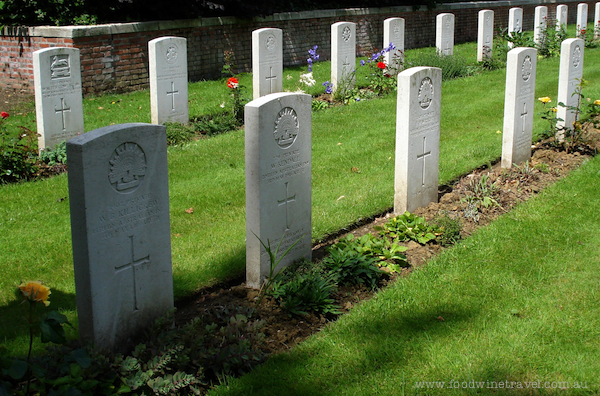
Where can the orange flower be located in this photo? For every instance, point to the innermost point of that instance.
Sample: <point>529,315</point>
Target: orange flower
<point>35,292</point>
<point>232,83</point>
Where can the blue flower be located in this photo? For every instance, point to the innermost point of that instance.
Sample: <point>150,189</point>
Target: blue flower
<point>328,87</point>
<point>362,62</point>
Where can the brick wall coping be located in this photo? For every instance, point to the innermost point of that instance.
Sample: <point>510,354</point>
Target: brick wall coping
<point>121,28</point>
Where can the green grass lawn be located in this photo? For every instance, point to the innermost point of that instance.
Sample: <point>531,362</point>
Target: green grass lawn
<point>519,303</point>
<point>208,175</point>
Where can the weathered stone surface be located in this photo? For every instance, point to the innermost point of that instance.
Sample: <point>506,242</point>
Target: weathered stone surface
<point>267,61</point>
<point>119,199</point>
<point>570,75</point>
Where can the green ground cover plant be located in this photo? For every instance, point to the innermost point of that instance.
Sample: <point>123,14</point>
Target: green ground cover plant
<point>351,180</point>
<point>511,308</point>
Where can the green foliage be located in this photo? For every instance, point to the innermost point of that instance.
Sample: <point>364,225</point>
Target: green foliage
<point>215,124</point>
<point>350,267</point>
<point>408,227</point>
<point>449,229</point>
<point>551,40</point>
<point>57,155</point>
<point>178,133</point>
<point>18,155</point>
<point>482,193</point>
<point>453,66</point>
<point>589,38</point>
<point>390,254</point>
<point>319,105</point>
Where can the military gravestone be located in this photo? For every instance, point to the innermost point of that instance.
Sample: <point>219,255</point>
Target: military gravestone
<point>444,34</point>
<point>58,98</point>
<point>343,55</point>
<point>518,106</point>
<point>393,33</point>
<point>278,181</point>
<point>267,61</point>
<point>417,138</point>
<point>562,14</point>
<point>168,80</point>
<point>485,35</point>
<point>582,17</point>
<point>597,21</point>
<point>515,22</point>
<point>570,75</point>
<point>119,199</point>
<point>540,24</point>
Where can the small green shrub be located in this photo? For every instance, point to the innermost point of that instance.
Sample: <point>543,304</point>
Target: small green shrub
<point>390,254</point>
<point>215,124</point>
<point>57,155</point>
<point>452,66</point>
<point>18,155</point>
<point>178,133</point>
<point>350,267</point>
<point>306,292</point>
<point>482,192</point>
<point>408,227</point>
<point>449,229</point>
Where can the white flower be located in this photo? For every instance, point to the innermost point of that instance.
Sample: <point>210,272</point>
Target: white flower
<point>223,105</point>
<point>307,79</point>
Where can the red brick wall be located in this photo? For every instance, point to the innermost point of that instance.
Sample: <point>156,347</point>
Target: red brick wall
<point>114,61</point>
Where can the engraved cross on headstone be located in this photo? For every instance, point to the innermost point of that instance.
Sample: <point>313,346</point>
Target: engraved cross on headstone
<point>423,156</point>
<point>270,78</point>
<point>133,264</point>
<point>62,112</point>
<point>346,63</point>
<point>285,202</point>
<point>172,94</point>
<point>524,115</point>
<point>447,49</point>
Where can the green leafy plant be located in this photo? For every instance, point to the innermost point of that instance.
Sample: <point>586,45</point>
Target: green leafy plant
<point>551,39</point>
<point>56,155</point>
<point>449,229</point>
<point>214,124</point>
<point>350,267</point>
<point>306,292</point>
<point>237,90</point>
<point>572,136</point>
<point>549,115</point>
<point>18,154</point>
<point>408,227</point>
<point>178,133</point>
<point>390,254</point>
<point>453,66</point>
<point>482,193</point>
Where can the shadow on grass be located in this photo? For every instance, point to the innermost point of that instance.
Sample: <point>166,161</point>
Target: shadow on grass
<point>334,364</point>
<point>13,323</point>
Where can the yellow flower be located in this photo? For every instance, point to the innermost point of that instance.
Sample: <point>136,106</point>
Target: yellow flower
<point>577,125</point>
<point>36,292</point>
<point>553,109</point>
<point>545,99</point>
<point>597,102</point>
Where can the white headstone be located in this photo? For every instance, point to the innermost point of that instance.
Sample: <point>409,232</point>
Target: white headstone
<point>515,22</point>
<point>278,181</point>
<point>485,35</point>
<point>540,24</point>
<point>570,75</point>
<point>119,199</point>
<point>58,98</point>
<point>267,61</point>
<point>343,55</point>
<point>562,15</point>
<point>417,138</point>
<point>597,21</point>
<point>393,32</point>
<point>444,33</point>
<point>168,80</point>
<point>582,17</point>
<point>518,106</point>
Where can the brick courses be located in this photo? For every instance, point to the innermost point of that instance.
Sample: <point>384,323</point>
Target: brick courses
<point>115,57</point>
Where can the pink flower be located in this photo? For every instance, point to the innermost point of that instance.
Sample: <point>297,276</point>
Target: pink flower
<point>4,114</point>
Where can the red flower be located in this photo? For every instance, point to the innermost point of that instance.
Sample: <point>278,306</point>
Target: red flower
<point>381,65</point>
<point>4,114</point>
<point>232,83</point>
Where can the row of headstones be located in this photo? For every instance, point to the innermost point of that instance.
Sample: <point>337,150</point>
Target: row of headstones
<point>58,93</point>
<point>57,71</point>
<point>119,199</point>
